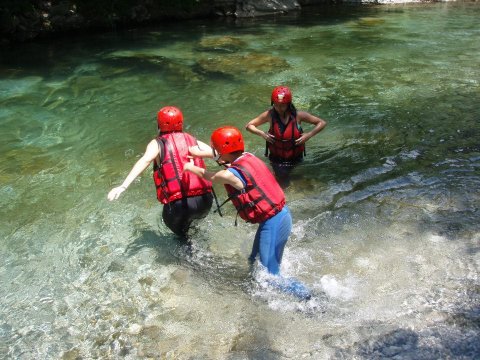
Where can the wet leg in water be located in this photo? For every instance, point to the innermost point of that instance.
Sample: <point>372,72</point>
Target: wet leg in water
<point>270,240</point>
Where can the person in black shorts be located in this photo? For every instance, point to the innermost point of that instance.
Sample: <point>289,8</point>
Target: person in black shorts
<point>185,196</point>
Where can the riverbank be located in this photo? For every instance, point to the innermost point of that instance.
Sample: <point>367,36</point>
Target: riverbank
<point>28,20</point>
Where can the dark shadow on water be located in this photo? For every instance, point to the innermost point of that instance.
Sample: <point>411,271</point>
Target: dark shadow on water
<point>192,253</point>
<point>166,246</point>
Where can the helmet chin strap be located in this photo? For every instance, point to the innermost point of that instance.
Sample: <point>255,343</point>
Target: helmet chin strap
<point>216,157</point>
<point>225,164</point>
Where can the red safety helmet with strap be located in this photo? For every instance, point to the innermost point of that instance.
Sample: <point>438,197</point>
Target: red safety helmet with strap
<point>227,139</point>
<point>281,95</point>
<point>169,118</point>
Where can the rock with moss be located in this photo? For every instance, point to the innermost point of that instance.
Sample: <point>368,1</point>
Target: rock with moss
<point>241,64</point>
<point>370,21</point>
<point>221,44</point>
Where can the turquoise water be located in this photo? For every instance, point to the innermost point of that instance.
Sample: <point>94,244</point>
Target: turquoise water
<point>385,207</point>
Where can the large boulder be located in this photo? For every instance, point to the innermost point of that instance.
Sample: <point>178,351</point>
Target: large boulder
<point>252,8</point>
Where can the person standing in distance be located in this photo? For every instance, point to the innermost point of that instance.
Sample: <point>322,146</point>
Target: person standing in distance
<point>256,195</point>
<point>285,138</point>
<point>185,197</point>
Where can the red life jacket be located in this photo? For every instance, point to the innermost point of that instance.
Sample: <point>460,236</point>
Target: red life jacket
<point>170,180</point>
<point>262,196</point>
<point>284,148</point>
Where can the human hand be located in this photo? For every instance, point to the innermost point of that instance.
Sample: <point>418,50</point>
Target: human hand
<point>302,139</point>
<point>268,137</point>
<point>188,167</point>
<point>115,192</point>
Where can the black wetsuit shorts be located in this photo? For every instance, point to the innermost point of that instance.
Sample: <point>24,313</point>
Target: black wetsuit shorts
<point>178,215</point>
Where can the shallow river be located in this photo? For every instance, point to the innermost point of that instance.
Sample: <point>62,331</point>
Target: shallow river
<point>385,207</point>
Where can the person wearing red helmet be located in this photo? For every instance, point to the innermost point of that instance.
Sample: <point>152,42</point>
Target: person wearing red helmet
<point>256,195</point>
<point>285,138</point>
<point>185,197</point>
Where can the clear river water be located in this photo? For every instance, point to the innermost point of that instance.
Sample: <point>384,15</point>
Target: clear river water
<point>385,207</point>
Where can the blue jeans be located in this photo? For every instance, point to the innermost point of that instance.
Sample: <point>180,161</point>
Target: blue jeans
<point>270,240</point>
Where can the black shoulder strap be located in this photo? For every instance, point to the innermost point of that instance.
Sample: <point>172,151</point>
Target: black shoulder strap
<point>270,129</point>
<point>161,151</point>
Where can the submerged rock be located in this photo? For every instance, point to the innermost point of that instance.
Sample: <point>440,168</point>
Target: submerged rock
<point>221,43</point>
<point>29,160</point>
<point>239,64</point>
<point>128,59</point>
<point>370,21</point>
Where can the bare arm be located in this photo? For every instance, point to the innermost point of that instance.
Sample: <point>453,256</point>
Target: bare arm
<point>219,177</point>
<point>252,126</point>
<point>151,153</point>
<point>201,150</point>
<point>311,119</point>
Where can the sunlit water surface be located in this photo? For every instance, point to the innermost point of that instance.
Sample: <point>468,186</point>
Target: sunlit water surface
<point>385,206</point>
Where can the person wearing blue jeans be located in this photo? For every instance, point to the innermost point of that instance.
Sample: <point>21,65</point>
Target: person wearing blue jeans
<point>270,240</point>
<point>256,195</point>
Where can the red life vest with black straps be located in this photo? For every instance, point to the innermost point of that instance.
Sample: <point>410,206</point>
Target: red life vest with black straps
<point>262,196</point>
<point>170,180</point>
<point>284,148</point>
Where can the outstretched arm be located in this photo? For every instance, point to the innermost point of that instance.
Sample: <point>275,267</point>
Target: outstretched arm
<point>252,126</point>
<point>151,153</point>
<point>219,177</point>
<point>201,150</point>
<point>314,120</point>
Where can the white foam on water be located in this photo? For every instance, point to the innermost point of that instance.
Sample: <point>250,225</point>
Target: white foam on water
<point>335,288</point>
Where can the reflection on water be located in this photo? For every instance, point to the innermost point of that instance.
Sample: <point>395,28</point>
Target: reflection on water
<point>385,206</point>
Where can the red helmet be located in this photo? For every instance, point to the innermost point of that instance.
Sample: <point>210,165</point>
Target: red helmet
<point>170,118</point>
<point>282,95</point>
<point>227,139</point>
